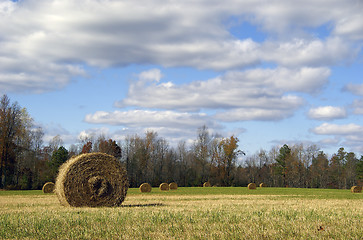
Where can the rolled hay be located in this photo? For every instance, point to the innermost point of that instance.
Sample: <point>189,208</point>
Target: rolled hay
<point>92,180</point>
<point>356,189</point>
<point>48,187</point>
<point>173,186</point>
<point>251,186</point>
<point>145,187</point>
<point>206,184</point>
<point>263,185</point>
<point>164,187</point>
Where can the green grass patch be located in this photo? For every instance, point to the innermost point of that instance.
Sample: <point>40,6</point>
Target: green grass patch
<point>311,193</point>
<point>20,192</point>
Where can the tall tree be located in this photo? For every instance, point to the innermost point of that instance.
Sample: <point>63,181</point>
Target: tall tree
<point>87,147</point>
<point>224,157</point>
<point>201,151</point>
<point>350,170</point>
<point>319,171</point>
<point>109,146</point>
<point>359,171</point>
<point>11,129</point>
<point>282,162</point>
<point>336,169</point>
<point>58,158</point>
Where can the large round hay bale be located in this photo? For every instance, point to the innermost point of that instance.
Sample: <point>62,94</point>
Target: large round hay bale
<point>48,187</point>
<point>173,186</point>
<point>263,185</point>
<point>164,187</point>
<point>92,180</point>
<point>251,186</point>
<point>356,189</point>
<point>206,184</point>
<point>145,187</point>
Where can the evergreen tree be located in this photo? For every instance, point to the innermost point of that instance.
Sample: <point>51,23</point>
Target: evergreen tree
<point>281,167</point>
<point>58,158</point>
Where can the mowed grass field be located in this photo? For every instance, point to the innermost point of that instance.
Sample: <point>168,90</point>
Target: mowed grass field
<point>189,213</point>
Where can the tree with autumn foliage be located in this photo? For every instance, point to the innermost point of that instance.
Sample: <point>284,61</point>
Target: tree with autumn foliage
<point>15,129</point>
<point>224,160</point>
<point>110,147</point>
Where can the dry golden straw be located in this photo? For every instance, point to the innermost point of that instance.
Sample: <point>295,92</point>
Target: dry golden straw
<point>173,186</point>
<point>206,184</point>
<point>263,185</point>
<point>48,187</point>
<point>356,189</point>
<point>92,180</point>
<point>145,187</point>
<point>164,187</point>
<point>251,186</point>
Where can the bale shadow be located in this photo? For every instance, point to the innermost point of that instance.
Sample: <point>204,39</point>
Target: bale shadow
<point>143,205</point>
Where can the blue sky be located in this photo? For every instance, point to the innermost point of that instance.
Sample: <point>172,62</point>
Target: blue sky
<point>269,73</point>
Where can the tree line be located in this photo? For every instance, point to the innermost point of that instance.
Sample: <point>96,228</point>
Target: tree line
<point>27,163</point>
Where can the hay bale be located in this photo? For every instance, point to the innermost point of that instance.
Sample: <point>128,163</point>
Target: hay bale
<point>263,185</point>
<point>206,184</point>
<point>145,187</point>
<point>251,186</point>
<point>48,187</point>
<point>173,186</point>
<point>92,180</point>
<point>356,189</point>
<point>164,187</point>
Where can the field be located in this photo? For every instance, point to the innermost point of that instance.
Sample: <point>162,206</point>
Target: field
<point>189,213</point>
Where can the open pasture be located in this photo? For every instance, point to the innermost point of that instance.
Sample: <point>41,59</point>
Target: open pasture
<point>189,213</point>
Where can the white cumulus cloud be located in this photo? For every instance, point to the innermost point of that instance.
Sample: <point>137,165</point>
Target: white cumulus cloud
<point>101,34</point>
<point>336,129</point>
<point>327,113</point>
<point>259,94</point>
<point>147,118</point>
<point>344,134</point>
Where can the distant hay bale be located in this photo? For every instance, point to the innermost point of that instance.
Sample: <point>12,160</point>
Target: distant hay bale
<point>48,187</point>
<point>92,180</point>
<point>263,185</point>
<point>251,186</point>
<point>206,184</point>
<point>145,187</point>
<point>356,189</point>
<point>173,186</point>
<point>164,187</point>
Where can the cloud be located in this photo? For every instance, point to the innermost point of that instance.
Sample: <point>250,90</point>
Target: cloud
<point>93,133</point>
<point>53,130</point>
<point>327,113</point>
<point>358,106</point>
<point>351,129</point>
<point>6,7</point>
<point>26,75</point>
<point>348,135</point>
<point>351,26</point>
<point>308,52</point>
<point>150,76</point>
<point>257,94</point>
<point>356,89</point>
<point>173,126</point>
<point>147,119</point>
<point>52,35</point>
<point>247,114</point>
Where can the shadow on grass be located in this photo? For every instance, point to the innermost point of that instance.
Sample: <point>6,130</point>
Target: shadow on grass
<point>142,205</point>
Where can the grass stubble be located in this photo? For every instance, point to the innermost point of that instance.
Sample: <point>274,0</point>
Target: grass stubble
<point>190,213</point>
